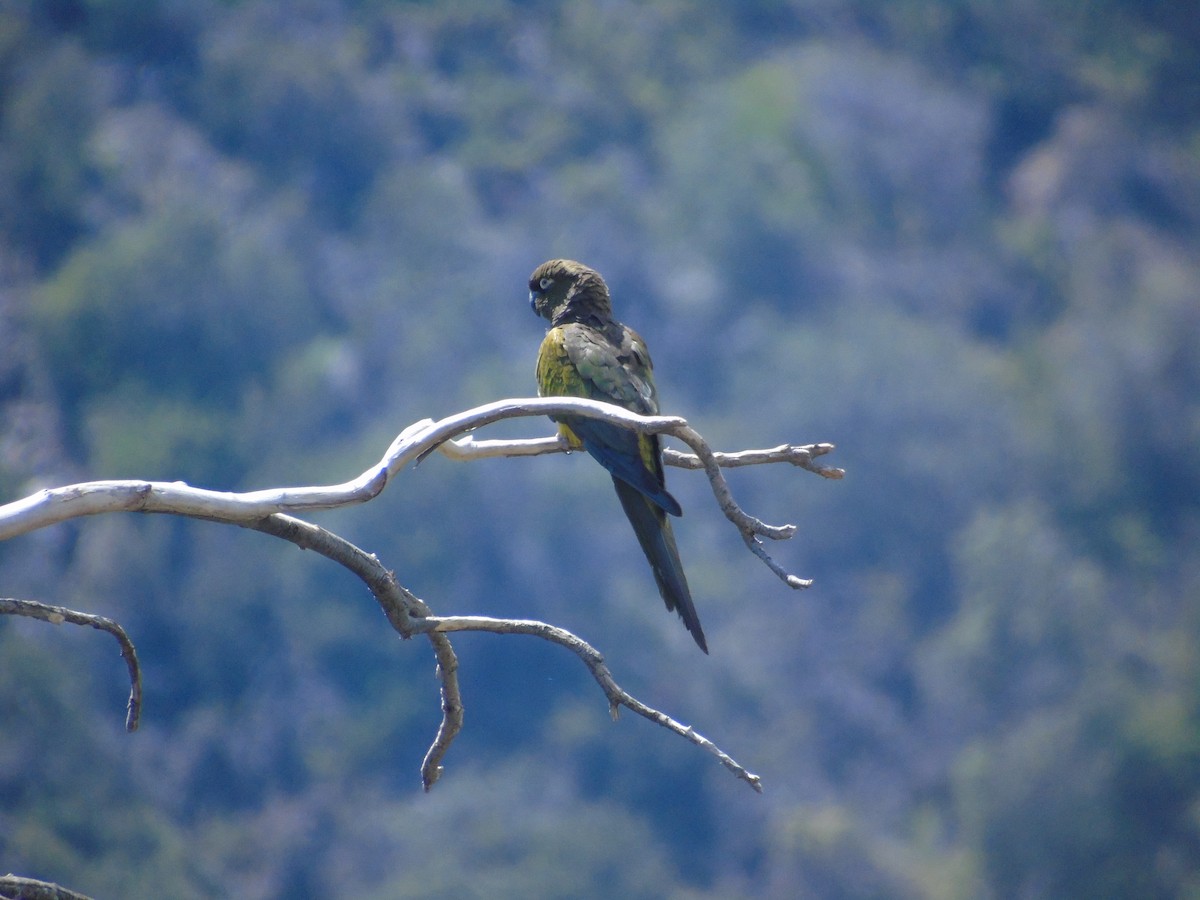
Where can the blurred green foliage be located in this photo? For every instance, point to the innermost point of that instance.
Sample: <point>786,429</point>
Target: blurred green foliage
<point>244,244</point>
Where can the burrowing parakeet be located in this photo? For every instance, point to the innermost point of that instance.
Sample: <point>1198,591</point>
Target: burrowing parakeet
<point>588,353</point>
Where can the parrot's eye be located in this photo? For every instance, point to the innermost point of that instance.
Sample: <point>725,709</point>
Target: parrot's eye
<point>545,283</point>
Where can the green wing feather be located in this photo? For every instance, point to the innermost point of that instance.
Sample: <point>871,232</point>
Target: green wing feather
<point>575,361</point>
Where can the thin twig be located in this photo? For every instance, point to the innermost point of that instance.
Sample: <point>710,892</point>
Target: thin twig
<point>756,547</point>
<point>56,615</point>
<point>800,455</point>
<point>452,710</point>
<point>594,660</point>
<point>469,448</point>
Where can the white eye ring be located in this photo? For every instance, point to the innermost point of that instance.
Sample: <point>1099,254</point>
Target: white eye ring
<point>545,283</point>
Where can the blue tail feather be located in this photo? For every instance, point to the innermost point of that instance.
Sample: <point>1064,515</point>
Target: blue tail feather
<point>653,530</point>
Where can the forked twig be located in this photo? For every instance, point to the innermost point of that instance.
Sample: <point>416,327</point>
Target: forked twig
<point>594,660</point>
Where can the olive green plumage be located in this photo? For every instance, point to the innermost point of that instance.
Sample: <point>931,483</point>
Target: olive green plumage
<point>588,353</point>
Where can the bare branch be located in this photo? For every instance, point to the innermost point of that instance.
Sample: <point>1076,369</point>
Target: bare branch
<point>468,449</point>
<point>402,608</point>
<point>396,601</point>
<point>410,615</point>
<point>56,615</point>
<point>48,507</point>
<point>594,660</point>
<point>748,525</point>
<point>267,511</point>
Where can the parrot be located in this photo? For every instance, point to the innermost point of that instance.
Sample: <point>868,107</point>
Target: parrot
<point>588,353</point>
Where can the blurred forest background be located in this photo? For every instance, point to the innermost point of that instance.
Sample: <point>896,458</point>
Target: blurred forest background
<point>243,244</point>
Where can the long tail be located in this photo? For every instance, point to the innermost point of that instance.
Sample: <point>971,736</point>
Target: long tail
<point>653,530</point>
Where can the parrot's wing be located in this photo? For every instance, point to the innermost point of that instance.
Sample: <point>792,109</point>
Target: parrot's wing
<point>621,376</point>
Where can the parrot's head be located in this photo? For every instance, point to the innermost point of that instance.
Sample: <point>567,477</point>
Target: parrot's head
<point>563,290</point>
